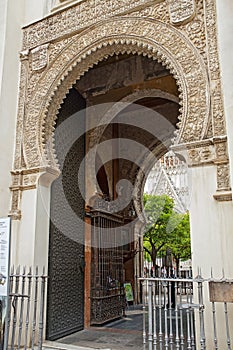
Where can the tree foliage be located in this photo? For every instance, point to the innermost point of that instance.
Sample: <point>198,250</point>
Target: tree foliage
<point>165,229</point>
<point>179,242</point>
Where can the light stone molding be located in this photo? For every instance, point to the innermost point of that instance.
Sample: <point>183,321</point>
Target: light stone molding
<point>210,152</point>
<point>18,159</point>
<point>223,177</point>
<point>225,196</point>
<point>26,179</point>
<point>204,152</point>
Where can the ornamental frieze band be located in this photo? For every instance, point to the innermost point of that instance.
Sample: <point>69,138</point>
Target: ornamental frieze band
<point>78,17</point>
<point>87,13</point>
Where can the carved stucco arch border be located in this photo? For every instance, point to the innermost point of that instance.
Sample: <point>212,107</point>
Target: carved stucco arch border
<point>150,38</point>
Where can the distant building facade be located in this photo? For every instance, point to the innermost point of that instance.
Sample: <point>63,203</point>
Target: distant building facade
<point>170,176</point>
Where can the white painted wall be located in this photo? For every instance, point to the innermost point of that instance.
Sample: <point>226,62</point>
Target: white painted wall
<point>212,242</point>
<point>3,12</point>
<point>211,225</point>
<point>225,38</point>
<point>30,235</point>
<point>36,10</point>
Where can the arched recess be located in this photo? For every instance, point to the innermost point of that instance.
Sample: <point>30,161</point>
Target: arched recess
<point>141,36</point>
<point>145,164</point>
<point>148,37</point>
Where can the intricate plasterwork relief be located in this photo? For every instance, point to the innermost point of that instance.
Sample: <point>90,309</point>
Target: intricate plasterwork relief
<point>157,11</point>
<point>15,211</point>
<point>205,152</point>
<point>221,151</point>
<point>21,181</point>
<point>212,151</point>
<point>223,177</point>
<point>203,155</point>
<point>189,51</point>
<point>181,11</point>
<point>195,29</point>
<point>218,119</point>
<point>39,57</point>
<point>201,30</point>
<point>24,56</point>
<point>151,38</point>
<point>77,18</point>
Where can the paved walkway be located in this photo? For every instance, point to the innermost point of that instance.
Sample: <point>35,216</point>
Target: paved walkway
<point>123,334</point>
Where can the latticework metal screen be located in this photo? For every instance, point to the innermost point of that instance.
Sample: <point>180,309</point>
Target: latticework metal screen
<point>65,299</point>
<point>107,291</point>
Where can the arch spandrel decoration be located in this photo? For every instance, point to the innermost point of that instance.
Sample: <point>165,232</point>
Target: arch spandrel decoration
<point>134,35</point>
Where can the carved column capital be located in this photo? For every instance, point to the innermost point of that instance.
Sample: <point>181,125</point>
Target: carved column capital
<point>28,179</point>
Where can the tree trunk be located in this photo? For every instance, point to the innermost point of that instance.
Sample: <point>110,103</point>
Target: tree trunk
<point>177,266</point>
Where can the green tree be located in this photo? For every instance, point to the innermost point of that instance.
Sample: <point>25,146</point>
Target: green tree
<point>165,229</point>
<point>158,210</point>
<point>179,241</point>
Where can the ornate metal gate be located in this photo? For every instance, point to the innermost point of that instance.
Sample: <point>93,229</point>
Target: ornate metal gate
<point>107,290</point>
<point>65,310</point>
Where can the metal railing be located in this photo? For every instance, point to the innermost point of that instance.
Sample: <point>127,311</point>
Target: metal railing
<point>179,313</point>
<point>24,325</point>
<point>176,310</point>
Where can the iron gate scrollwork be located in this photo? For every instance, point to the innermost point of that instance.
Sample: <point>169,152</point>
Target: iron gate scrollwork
<point>107,291</point>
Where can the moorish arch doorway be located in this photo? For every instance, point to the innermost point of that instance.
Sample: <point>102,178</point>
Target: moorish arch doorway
<point>103,44</point>
<point>136,99</point>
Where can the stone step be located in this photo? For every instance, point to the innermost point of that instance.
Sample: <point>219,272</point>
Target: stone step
<point>52,345</point>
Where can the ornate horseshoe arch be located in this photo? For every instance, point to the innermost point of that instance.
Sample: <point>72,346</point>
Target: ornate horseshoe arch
<point>148,37</point>
<point>132,35</point>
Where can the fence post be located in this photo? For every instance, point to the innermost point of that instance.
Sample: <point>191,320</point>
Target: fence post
<point>144,290</point>
<point>24,323</point>
<point>150,314</point>
<point>201,312</point>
